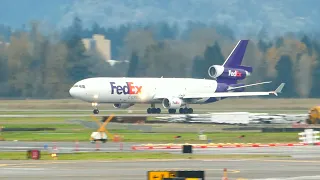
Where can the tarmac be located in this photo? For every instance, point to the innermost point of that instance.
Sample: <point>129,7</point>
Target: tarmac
<point>299,152</point>
<point>137,170</point>
<point>79,115</point>
<point>304,164</point>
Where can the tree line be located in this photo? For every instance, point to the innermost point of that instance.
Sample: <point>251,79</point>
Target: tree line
<point>37,64</point>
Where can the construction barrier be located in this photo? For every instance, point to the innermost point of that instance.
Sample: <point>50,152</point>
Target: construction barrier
<point>33,154</point>
<point>176,175</point>
<point>212,145</point>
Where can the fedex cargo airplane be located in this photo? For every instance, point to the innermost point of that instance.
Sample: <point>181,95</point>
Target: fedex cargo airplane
<point>172,93</point>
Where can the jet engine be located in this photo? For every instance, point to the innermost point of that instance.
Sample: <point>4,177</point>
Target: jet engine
<point>229,73</point>
<point>172,103</point>
<point>122,105</point>
<point>215,71</point>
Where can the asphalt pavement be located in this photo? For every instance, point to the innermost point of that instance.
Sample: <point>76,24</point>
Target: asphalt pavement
<point>137,170</point>
<point>304,164</point>
<point>299,152</point>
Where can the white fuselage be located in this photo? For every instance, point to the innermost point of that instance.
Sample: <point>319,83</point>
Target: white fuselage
<point>139,90</point>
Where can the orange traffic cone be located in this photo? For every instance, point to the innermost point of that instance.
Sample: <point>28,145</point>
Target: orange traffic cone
<point>225,175</point>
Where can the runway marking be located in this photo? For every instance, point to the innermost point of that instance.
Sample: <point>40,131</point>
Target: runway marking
<point>21,166</point>
<point>13,168</point>
<point>290,161</point>
<point>35,163</point>
<point>25,166</point>
<point>291,178</point>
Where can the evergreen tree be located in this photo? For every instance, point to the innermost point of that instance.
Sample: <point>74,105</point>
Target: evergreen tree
<point>197,70</point>
<point>133,65</point>
<point>219,58</point>
<point>167,32</point>
<point>285,74</point>
<point>279,42</point>
<point>212,56</point>
<point>305,39</point>
<point>315,88</point>
<point>263,46</point>
<point>77,62</point>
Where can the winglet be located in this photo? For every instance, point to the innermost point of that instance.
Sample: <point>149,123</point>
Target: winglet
<point>279,89</point>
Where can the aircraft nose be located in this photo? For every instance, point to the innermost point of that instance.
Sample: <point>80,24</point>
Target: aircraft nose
<point>74,92</point>
<point>71,92</point>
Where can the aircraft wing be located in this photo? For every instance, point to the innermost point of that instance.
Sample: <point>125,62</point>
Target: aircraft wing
<point>235,94</point>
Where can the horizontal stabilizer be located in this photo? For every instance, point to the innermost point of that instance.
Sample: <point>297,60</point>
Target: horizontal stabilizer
<point>279,89</point>
<point>246,68</point>
<point>255,84</point>
<point>235,94</point>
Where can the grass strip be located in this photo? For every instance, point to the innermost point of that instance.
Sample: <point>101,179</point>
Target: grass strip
<point>131,156</point>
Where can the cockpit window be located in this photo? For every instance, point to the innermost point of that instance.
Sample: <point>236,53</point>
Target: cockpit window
<point>80,86</point>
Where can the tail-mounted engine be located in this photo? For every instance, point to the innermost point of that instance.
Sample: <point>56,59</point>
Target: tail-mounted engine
<point>172,103</point>
<point>122,105</point>
<point>216,71</point>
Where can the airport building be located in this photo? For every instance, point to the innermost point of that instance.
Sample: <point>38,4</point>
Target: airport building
<point>102,45</point>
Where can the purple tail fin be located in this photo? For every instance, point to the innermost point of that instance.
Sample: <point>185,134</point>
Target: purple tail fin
<point>234,61</point>
<point>236,56</point>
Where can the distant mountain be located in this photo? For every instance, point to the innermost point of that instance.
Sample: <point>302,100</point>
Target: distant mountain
<point>244,16</point>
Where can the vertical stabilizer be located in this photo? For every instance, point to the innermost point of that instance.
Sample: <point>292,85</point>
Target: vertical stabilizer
<point>235,58</point>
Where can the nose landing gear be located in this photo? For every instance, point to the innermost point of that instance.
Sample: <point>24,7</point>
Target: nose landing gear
<point>96,110</point>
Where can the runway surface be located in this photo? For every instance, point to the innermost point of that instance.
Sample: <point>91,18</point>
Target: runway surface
<point>299,152</point>
<point>304,164</point>
<point>237,169</point>
<point>76,115</point>
<point>64,146</point>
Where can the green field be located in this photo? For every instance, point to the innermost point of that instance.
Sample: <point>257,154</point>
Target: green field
<point>232,104</point>
<point>129,156</point>
<point>67,130</point>
<point>166,133</point>
<point>77,132</point>
<point>136,136</point>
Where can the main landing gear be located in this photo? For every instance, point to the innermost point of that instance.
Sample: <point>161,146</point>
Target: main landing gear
<point>153,110</point>
<point>181,111</point>
<point>185,110</point>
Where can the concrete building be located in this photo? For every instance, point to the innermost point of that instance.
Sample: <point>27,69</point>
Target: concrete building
<point>100,44</point>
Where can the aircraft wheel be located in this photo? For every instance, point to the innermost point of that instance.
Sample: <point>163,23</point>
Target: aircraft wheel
<point>186,110</point>
<point>181,111</point>
<point>149,110</point>
<point>158,110</point>
<point>172,111</point>
<point>96,111</point>
<point>190,110</point>
<point>153,110</point>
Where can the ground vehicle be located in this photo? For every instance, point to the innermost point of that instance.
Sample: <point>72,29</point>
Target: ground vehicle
<point>314,115</point>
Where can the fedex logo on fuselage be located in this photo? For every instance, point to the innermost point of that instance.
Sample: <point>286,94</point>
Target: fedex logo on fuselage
<point>129,88</point>
<point>234,73</point>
